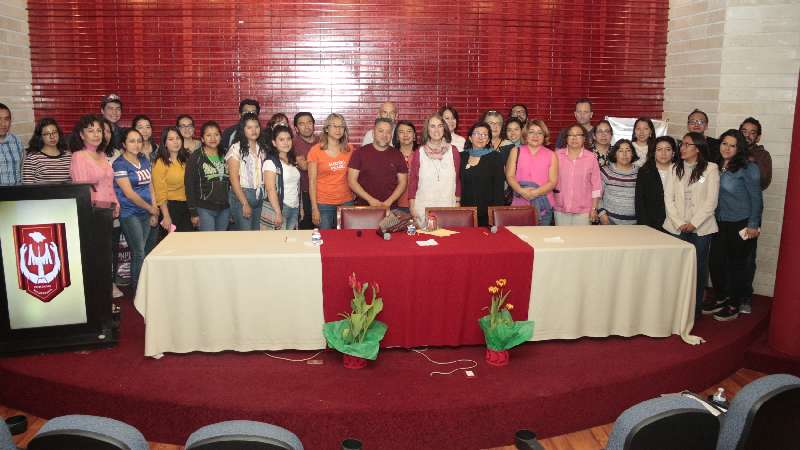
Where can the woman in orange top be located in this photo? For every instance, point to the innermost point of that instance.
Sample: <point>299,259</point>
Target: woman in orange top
<point>327,172</point>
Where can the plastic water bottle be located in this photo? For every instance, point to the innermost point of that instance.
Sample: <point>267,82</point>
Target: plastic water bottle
<point>316,237</point>
<point>411,230</point>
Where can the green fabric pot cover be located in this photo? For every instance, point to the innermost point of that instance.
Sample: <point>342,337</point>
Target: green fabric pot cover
<point>505,336</point>
<point>367,349</point>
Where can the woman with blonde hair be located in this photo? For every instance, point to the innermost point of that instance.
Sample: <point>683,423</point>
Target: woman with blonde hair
<point>327,172</point>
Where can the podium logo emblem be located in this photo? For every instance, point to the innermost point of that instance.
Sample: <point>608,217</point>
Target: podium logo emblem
<point>42,263</point>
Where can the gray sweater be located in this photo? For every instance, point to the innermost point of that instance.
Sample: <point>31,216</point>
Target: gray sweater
<point>619,194</point>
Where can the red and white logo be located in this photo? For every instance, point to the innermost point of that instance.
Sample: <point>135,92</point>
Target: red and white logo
<point>42,264</point>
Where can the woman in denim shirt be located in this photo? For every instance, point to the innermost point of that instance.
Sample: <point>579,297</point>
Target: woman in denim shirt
<point>739,217</point>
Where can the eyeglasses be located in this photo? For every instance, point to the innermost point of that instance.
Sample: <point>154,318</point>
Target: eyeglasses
<point>686,144</point>
<point>699,122</point>
<point>50,134</point>
<point>186,126</point>
<point>479,135</point>
<point>536,133</point>
<point>576,135</point>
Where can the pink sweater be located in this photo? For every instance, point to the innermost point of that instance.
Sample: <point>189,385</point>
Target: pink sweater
<point>101,176</point>
<point>578,182</point>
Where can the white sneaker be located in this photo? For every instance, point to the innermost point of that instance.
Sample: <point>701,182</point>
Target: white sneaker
<point>115,292</point>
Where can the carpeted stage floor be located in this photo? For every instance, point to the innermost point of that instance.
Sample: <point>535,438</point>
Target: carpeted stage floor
<point>550,387</point>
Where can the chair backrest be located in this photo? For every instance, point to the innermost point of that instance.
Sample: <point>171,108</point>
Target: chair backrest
<point>506,216</point>
<point>359,217</point>
<point>6,441</point>
<point>665,423</point>
<point>765,414</point>
<point>243,435</point>
<point>457,216</point>
<point>87,433</point>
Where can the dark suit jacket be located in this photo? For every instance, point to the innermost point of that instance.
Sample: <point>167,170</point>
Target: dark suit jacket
<point>650,209</point>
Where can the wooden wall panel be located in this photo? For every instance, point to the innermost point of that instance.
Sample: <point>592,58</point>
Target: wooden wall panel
<point>169,57</point>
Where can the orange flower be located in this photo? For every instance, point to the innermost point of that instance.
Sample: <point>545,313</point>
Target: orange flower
<point>493,290</point>
<point>501,282</point>
<point>509,306</point>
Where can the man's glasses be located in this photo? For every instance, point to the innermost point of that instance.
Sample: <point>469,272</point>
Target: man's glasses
<point>698,122</point>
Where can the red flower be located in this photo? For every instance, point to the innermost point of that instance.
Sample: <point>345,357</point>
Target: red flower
<point>352,281</point>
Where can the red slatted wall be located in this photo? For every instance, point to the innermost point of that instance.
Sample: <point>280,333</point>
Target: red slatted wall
<point>166,57</point>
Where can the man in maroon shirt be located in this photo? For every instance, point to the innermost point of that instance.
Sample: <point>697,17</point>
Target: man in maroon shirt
<point>304,139</point>
<point>377,173</point>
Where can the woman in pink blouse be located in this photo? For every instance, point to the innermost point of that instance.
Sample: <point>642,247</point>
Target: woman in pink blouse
<point>532,172</point>
<point>579,186</point>
<point>89,162</point>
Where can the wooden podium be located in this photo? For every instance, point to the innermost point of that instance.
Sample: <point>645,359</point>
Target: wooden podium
<point>55,257</point>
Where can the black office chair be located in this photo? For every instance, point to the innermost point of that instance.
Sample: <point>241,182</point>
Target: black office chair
<point>243,435</point>
<point>87,433</point>
<point>765,414</point>
<point>665,423</point>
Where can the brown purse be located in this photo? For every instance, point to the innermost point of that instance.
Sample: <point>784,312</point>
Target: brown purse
<point>394,222</point>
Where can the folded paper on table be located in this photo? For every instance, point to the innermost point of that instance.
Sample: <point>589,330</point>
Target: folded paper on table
<point>439,232</point>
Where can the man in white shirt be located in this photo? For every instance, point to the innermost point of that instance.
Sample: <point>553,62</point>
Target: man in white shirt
<point>387,110</point>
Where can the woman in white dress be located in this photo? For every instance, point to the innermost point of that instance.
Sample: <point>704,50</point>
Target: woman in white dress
<point>433,179</point>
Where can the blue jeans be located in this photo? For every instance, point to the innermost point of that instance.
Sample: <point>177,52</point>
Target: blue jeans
<point>545,218</point>
<point>327,215</point>
<point>253,223</point>
<point>136,229</point>
<point>213,219</point>
<point>701,246</point>
<point>291,218</point>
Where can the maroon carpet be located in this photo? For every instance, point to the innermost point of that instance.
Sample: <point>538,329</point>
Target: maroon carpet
<point>550,387</point>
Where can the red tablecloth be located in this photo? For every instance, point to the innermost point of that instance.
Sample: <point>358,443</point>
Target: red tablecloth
<point>431,295</point>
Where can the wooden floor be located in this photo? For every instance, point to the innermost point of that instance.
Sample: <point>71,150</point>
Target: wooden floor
<point>591,439</point>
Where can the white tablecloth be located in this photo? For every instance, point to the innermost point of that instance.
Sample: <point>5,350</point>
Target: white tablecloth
<point>243,290</point>
<point>610,280</point>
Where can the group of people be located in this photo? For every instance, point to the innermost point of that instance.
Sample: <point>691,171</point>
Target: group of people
<point>283,175</point>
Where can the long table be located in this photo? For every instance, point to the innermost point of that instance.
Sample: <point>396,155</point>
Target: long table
<point>256,290</point>
<point>610,280</point>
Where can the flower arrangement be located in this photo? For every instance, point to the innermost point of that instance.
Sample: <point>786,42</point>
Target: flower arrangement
<point>501,331</point>
<point>358,334</point>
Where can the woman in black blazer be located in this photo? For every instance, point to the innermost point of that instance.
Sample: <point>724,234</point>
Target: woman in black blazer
<point>650,208</point>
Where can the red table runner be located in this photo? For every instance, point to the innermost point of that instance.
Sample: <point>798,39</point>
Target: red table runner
<point>431,295</point>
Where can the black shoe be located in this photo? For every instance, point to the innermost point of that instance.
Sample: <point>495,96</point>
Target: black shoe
<point>714,306</point>
<point>727,313</point>
<point>746,306</point>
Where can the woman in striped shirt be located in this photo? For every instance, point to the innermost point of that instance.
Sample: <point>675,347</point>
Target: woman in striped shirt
<point>47,160</point>
<point>618,206</point>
